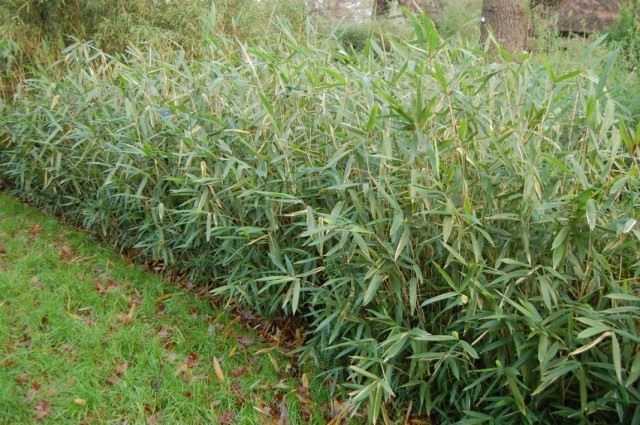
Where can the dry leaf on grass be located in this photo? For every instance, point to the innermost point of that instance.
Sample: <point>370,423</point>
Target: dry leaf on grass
<point>226,418</point>
<point>184,370</point>
<point>245,341</point>
<point>66,253</point>
<point>118,372</point>
<point>155,419</point>
<point>35,230</point>
<point>35,281</point>
<point>237,391</point>
<point>241,371</point>
<point>217,369</point>
<point>106,287</point>
<point>42,409</point>
<point>192,360</point>
<point>128,317</point>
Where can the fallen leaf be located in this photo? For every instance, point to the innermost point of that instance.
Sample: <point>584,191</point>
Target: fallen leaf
<point>407,416</point>
<point>192,360</point>
<point>23,378</point>
<point>163,298</point>
<point>217,369</point>
<point>299,337</point>
<point>35,281</point>
<point>128,317</point>
<point>274,362</point>
<point>66,253</point>
<point>226,418</point>
<point>282,385</point>
<point>185,369</point>
<point>241,371</point>
<point>284,415</point>
<point>80,402</point>
<point>35,230</point>
<point>245,341</point>
<point>164,332</point>
<point>237,391</point>
<point>118,372</point>
<point>106,287</point>
<point>121,368</point>
<point>303,395</point>
<point>42,409</point>
<point>229,327</point>
<point>155,419</point>
<point>32,392</point>
<point>265,410</point>
<point>418,421</point>
<point>213,328</point>
<point>305,413</point>
<point>338,412</point>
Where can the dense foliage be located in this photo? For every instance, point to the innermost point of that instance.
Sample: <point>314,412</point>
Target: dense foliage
<point>458,233</point>
<point>113,25</point>
<point>625,33</point>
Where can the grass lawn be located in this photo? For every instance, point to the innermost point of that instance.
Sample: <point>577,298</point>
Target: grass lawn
<point>87,337</point>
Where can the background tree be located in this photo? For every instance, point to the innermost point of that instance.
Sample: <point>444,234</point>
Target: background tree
<point>381,7</point>
<point>431,7</point>
<point>508,21</point>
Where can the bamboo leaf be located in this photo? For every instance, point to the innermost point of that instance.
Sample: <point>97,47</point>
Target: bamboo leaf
<point>591,214</point>
<point>372,289</point>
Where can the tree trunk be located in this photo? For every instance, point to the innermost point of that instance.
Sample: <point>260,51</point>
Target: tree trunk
<point>507,21</point>
<point>381,7</point>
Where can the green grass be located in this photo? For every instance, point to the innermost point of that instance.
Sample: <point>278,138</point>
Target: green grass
<point>64,340</point>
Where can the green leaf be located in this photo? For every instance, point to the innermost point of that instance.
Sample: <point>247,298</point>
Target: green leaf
<point>441,297</point>
<point>591,214</point>
<point>469,349</point>
<point>435,338</point>
<point>629,225</point>
<point>589,332</point>
<point>295,298</point>
<point>560,238</point>
<point>623,297</point>
<point>363,372</point>
<point>402,243</point>
<point>413,294</point>
<point>447,227</point>
<point>517,394</point>
<point>372,288</point>
<point>617,358</point>
<point>634,372</point>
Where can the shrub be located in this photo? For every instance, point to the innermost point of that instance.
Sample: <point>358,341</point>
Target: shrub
<point>626,32</point>
<point>114,25</point>
<point>455,232</point>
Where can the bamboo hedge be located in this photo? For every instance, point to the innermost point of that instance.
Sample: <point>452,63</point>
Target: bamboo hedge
<point>456,233</point>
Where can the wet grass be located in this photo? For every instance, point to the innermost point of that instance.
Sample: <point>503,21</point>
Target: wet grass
<point>87,337</point>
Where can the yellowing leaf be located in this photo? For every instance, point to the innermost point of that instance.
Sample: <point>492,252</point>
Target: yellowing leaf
<point>217,369</point>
